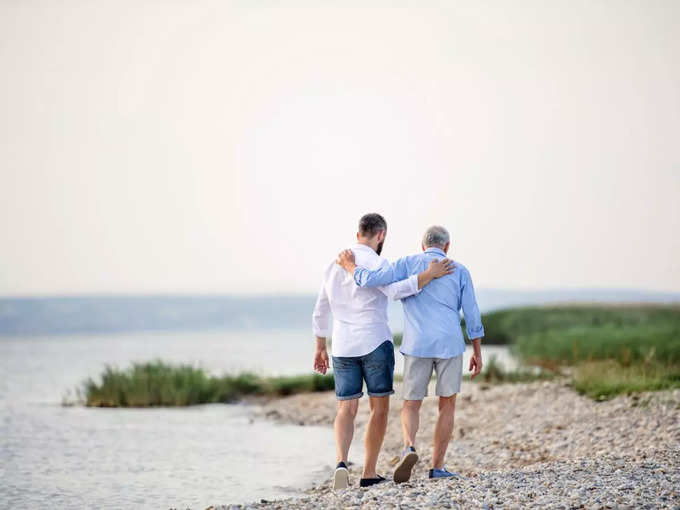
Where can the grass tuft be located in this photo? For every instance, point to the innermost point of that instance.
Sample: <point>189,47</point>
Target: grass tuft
<point>157,383</point>
<point>602,380</point>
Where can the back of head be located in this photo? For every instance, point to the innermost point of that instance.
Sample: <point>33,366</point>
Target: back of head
<point>370,224</point>
<point>436,237</point>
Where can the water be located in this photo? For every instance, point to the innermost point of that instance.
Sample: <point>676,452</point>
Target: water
<point>70,457</point>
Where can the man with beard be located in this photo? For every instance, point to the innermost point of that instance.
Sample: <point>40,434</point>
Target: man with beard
<point>362,347</point>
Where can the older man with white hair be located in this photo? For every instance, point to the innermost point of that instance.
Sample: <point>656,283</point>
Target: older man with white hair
<point>432,340</point>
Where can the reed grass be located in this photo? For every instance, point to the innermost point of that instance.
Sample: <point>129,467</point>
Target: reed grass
<point>157,383</point>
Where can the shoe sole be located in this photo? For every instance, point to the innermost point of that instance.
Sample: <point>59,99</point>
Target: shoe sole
<point>341,479</point>
<point>402,473</point>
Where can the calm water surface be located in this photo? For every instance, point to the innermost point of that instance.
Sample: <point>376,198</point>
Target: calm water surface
<point>70,457</point>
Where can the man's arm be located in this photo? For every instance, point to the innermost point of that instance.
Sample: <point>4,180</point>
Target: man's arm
<point>386,274</point>
<point>414,283</point>
<point>321,324</point>
<point>390,273</point>
<point>401,289</point>
<point>473,322</point>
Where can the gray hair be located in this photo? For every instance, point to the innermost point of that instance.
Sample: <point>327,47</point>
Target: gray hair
<point>436,236</point>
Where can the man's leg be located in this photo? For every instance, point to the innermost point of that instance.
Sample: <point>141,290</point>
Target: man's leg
<point>378,370</point>
<point>348,383</point>
<point>375,433</point>
<point>344,427</point>
<point>417,373</point>
<point>410,420</point>
<point>443,430</point>
<point>449,375</point>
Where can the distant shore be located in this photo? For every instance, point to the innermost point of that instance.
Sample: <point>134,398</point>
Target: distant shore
<point>537,444</point>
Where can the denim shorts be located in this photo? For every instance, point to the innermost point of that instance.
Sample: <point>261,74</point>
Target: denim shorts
<point>376,368</point>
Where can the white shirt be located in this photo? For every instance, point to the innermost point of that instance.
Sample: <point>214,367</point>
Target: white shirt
<point>359,313</point>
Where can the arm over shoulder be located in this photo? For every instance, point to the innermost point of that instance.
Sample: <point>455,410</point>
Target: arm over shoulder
<point>385,274</point>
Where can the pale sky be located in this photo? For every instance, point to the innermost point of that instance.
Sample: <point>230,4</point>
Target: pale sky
<point>214,146</point>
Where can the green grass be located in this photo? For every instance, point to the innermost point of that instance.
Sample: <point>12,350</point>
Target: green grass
<point>612,349</point>
<point>157,383</point>
<point>602,380</point>
<point>507,326</point>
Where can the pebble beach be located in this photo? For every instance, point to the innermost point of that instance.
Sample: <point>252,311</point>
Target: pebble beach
<point>526,445</point>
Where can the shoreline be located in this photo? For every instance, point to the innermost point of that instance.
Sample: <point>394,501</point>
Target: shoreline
<point>516,445</point>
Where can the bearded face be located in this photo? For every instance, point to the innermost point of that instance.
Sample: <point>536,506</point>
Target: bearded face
<point>380,247</point>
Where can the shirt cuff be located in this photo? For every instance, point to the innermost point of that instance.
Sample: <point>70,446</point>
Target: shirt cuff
<point>475,333</point>
<point>413,279</point>
<point>356,275</point>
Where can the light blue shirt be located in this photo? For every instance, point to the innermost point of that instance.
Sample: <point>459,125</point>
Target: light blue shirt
<point>432,327</point>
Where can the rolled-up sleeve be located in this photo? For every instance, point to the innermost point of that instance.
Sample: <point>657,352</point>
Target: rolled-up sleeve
<point>321,317</point>
<point>387,273</point>
<point>473,319</point>
<point>401,289</point>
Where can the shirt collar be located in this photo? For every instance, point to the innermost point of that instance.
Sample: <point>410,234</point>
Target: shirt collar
<point>360,246</point>
<point>438,251</point>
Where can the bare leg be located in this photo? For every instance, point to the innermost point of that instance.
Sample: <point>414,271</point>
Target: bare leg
<point>375,433</point>
<point>410,420</point>
<point>344,427</point>
<point>443,430</point>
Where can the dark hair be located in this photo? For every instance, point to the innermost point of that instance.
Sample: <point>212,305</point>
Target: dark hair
<point>370,224</point>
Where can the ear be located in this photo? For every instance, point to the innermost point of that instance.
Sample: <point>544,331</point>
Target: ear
<point>422,245</point>
<point>381,235</point>
<point>357,236</point>
<point>446,247</point>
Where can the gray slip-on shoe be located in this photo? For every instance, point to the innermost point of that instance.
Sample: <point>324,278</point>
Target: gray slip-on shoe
<point>402,473</point>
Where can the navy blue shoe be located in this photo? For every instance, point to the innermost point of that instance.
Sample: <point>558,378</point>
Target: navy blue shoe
<point>443,473</point>
<point>367,482</point>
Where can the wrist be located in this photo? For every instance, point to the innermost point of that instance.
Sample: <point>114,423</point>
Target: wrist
<point>424,279</point>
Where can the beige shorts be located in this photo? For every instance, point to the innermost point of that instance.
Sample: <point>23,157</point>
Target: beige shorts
<point>418,371</point>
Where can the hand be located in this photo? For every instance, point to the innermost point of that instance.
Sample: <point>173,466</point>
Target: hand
<point>475,365</point>
<point>321,361</point>
<point>346,260</point>
<point>439,268</point>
